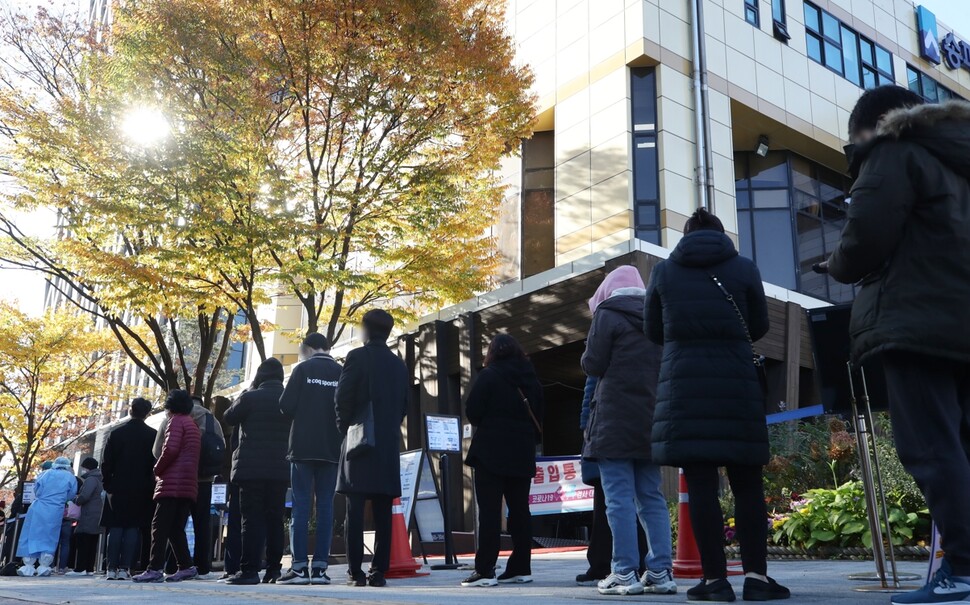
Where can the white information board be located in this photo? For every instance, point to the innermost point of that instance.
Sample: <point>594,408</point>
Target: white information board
<point>219,493</point>
<point>444,433</point>
<point>28,492</point>
<point>410,469</point>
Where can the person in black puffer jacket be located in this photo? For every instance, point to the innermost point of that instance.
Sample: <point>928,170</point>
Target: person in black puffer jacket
<point>710,404</point>
<point>907,244</point>
<point>503,454</point>
<point>260,468</point>
<point>626,365</point>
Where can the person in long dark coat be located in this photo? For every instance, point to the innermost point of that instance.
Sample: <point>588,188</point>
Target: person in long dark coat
<point>260,468</point>
<point>372,374</point>
<point>505,406</point>
<point>126,466</point>
<point>710,403</point>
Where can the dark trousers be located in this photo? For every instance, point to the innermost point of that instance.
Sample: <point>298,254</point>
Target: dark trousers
<point>202,522</point>
<point>233,547</point>
<point>65,543</point>
<point>168,527</point>
<point>750,514</point>
<point>929,402</point>
<point>122,547</point>
<point>599,554</point>
<point>489,491</point>
<point>262,504</point>
<point>381,509</point>
<point>87,551</point>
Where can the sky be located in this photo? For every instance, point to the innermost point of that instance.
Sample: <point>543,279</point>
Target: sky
<point>27,289</point>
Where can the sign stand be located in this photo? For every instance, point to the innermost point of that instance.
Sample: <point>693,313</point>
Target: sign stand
<point>444,437</point>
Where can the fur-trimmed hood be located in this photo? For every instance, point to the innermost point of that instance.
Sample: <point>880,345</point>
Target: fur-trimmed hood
<point>942,129</point>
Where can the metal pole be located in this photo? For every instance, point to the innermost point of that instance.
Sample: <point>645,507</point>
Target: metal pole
<point>700,157</point>
<point>705,108</point>
<point>882,492</point>
<point>450,559</point>
<point>865,463</point>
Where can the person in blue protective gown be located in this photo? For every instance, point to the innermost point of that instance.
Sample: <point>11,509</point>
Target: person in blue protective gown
<point>42,527</point>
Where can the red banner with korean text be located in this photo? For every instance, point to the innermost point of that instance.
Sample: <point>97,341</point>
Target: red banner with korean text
<point>558,487</point>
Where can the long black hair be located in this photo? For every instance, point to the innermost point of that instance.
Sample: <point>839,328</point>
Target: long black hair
<point>502,347</point>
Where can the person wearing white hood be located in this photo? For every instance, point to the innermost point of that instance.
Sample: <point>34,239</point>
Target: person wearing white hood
<point>42,527</point>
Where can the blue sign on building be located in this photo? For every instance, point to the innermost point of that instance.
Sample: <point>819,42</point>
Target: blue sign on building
<point>929,38</point>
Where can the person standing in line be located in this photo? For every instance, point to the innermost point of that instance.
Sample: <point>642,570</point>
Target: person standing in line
<point>41,529</point>
<point>67,544</point>
<point>88,530</point>
<point>308,403</point>
<point>707,307</point>
<point>202,508</point>
<point>260,468</point>
<point>626,365</point>
<point>129,480</point>
<point>599,553</point>
<point>907,244</point>
<point>176,488</point>
<point>373,375</point>
<point>505,405</point>
<point>233,542</point>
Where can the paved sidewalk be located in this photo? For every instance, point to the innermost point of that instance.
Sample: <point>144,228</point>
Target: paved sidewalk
<point>810,581</point>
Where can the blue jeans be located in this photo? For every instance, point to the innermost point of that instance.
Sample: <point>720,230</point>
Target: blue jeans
<point>632,489</point>
<point>308,479</point>
<point>64,544</point>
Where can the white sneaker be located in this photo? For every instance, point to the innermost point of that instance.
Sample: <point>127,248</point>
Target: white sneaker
<point>122,574</point>
<point>208,576</point>
<point>617,584</point>
<point>27,571</point>
<point>74,574</point>
<point>659,582</point>
<point>111,575</point>
<point>44,572</point>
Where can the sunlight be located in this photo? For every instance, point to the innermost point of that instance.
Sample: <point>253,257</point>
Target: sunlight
<point>145,126</point>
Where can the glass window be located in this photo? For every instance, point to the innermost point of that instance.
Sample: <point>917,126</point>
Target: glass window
<point>812,18</point>
<point>866,52</point>
<point>646,184</point>
<point>831,27</point>
<point>773,247</point>
<point>850,55</point>
<point>769,172</point>
<point>869,79</point>
<point>833,57</point>
<point>648,215</point>
<point>930,92</point>
<point>806,203</point>
<point>744,235</point>
<point>744,197</point>
<point>884,60</point>
<point>646,188</point>
<point>778,11</point>
<point>643,88</point>
<point>538,236</point>
<point>770,198</point>
<point>814,48</point>
<point>751,12</point>
<point>912,77</point>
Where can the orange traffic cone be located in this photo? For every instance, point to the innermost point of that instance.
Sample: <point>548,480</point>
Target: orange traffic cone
<point>403,564</point>
<point>688,561</point>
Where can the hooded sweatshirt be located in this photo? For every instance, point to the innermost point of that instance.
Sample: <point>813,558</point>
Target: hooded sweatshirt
<point>907,238</point>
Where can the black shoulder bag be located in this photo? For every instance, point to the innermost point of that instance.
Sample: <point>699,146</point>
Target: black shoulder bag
<point>361,438</point>
<point>756,358</point>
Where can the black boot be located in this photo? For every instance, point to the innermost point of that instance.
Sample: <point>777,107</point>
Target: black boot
<point>719,591</point>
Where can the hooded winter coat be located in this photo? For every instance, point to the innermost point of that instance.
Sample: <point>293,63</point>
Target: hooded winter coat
<point>177,469</point>
<point>626,365</point>
<point>263,430</point>
<point>91,503</point>
<point>505,436</point>
<point>907,237</point>
<point>126,466</point>
<point>373,373</point>
<point>710,405</point>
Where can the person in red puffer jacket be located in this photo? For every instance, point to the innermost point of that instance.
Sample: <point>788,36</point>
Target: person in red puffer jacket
<point>176,488</point>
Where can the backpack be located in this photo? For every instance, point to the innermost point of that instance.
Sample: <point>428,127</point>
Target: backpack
<point>213,450</point>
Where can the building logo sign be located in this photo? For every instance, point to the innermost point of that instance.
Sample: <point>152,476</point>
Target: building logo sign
<point>954,52</point>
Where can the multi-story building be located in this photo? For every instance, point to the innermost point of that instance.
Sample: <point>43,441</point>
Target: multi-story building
<point>649,109</point>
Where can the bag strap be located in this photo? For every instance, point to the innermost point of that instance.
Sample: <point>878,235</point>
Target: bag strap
<point>744,324</point>
<point>210,427</point>
<point>528,407</point>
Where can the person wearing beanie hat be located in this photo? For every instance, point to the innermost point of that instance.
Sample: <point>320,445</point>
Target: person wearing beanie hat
<point>260,468</point>
<point>127,471</point>
<point>314,450</point>
<point>88,530</point>
<point>374,382</point>
<point>42,526</point>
